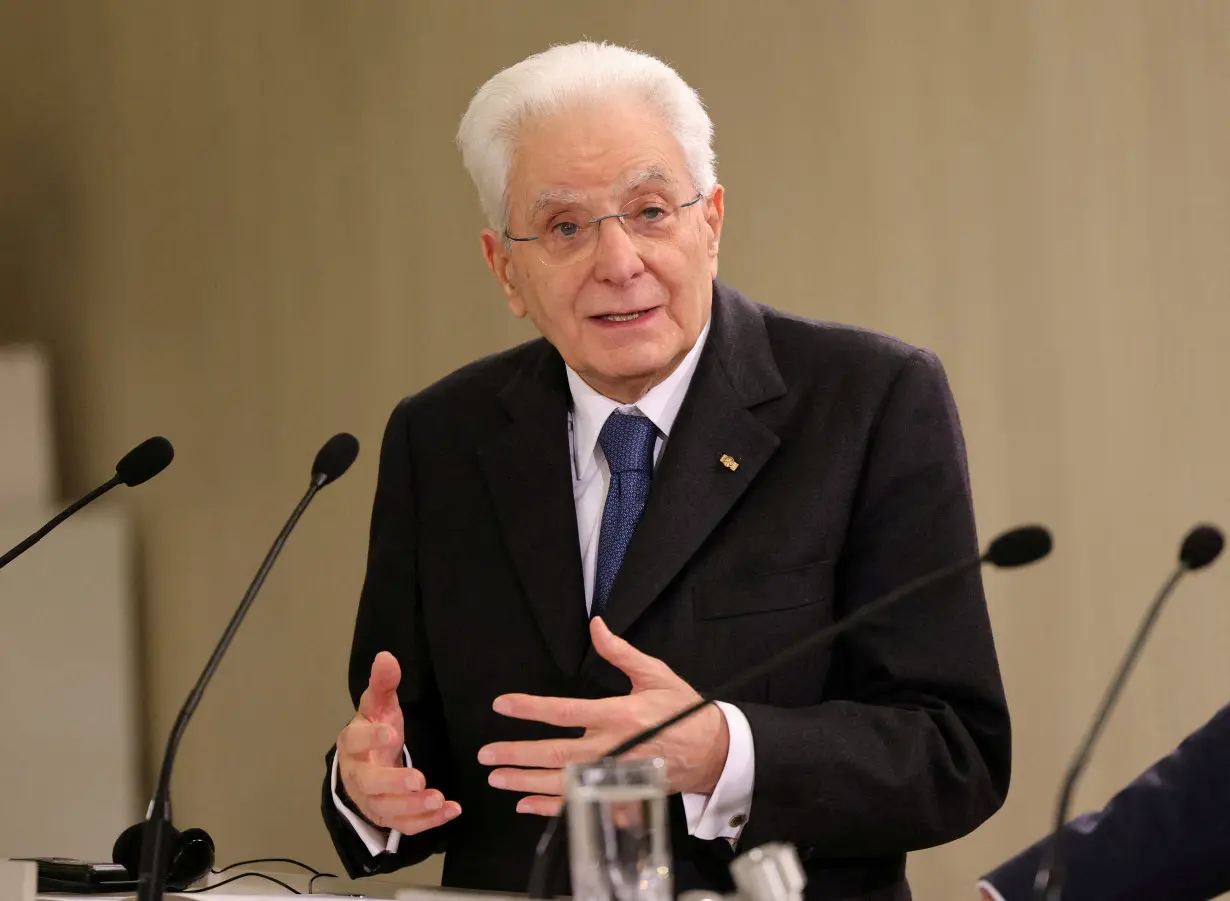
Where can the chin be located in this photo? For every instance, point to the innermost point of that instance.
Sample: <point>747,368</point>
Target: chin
<point>636,363</point>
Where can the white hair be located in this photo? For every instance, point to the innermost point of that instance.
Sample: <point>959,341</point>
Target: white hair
<point>563,77</point>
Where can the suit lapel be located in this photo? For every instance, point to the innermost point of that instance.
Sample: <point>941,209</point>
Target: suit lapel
<point>693,489</point>
<point>529,476</point>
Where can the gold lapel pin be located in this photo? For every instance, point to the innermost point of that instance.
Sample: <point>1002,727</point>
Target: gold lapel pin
<point>729,462</point>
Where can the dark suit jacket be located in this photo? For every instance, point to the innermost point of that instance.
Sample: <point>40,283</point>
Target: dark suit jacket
<point>851,480</point>
<point>1166,837</point>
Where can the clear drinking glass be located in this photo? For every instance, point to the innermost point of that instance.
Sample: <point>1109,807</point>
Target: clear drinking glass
<point>618,841</point>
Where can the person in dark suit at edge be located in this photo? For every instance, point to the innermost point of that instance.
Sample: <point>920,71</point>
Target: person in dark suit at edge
<point>1165,837</point>
<point>572,537</point>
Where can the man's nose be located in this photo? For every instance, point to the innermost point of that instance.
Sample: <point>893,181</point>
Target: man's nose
<point>616,257</point>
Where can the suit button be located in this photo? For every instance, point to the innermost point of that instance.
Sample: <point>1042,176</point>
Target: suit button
<point>737,820</point>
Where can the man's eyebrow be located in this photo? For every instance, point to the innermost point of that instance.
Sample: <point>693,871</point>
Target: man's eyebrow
<point>646,175</point>
<point>552,196</point>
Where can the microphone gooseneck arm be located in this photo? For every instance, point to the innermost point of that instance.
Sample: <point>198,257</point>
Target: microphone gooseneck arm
<point>1049,882</point>
<point>152,878</point>
<point>64,514</point>
<point>136,467</point>
<point>817,639</point>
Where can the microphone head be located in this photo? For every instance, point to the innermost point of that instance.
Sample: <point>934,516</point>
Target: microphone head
<point>334,458</point>
<point>144,461</point>
<point>1201,547</point>
<point>1019,547</point>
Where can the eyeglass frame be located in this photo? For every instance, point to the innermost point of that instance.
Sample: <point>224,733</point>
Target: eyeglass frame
<point>700,195</point>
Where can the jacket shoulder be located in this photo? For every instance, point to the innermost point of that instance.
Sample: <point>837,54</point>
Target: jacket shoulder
<point>476,385</point>
<point>837,343</point>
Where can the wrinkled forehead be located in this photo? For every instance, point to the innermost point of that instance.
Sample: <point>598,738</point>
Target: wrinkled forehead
<point>650,178</point>
<point>594,157</point>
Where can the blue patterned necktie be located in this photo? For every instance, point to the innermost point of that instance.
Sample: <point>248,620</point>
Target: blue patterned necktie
<point>627,441</point>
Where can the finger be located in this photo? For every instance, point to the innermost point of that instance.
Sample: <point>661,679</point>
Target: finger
<point>361,736</point>
<point>391,807</point>
<point>541,805</point>
<point>549,753</point>
<point>386,780</point>
<point>412,825</point>
<point>580,712</point>
<point>380,697</point>
<point>643,670</point>
<point>533,782</point>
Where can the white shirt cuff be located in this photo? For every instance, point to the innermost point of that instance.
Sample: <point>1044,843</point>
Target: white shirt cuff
<point>376,840</point>
<point>990,890</point>
<point>724,813</point>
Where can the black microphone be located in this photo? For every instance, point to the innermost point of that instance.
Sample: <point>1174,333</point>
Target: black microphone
<point>331,463</point>
<point>1201,547</point>
<point>1018,547</point>
<point>140,464</point>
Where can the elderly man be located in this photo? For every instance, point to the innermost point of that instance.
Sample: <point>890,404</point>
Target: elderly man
<point>571,538</point>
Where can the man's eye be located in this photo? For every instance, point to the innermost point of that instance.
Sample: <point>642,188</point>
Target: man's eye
<point>565,229</point>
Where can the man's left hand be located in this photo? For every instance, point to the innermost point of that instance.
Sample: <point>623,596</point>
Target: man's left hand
<point>694,749</point>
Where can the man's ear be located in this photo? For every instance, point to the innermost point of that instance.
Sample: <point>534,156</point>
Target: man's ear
<point>499,261</point>
<point>715,215</point>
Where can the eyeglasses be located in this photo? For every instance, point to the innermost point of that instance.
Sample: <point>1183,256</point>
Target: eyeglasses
<point>571,236</point>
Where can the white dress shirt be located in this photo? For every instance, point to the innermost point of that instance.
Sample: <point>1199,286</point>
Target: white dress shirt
<point>991,890</point>
<point>723,813</point>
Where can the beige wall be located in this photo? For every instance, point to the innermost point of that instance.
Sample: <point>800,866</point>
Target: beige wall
<point>70,740</point>
<point>243,225</point>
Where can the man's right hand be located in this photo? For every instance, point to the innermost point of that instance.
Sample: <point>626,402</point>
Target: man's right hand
<point>371,764</point>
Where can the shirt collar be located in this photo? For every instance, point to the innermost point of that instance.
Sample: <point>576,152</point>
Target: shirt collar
<point>660,405</point>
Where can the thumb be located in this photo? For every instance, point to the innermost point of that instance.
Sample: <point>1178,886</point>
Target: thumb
<point>644,671</point>
<point>380,698</point>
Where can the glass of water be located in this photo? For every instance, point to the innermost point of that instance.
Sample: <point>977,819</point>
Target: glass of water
<point>618,841</point>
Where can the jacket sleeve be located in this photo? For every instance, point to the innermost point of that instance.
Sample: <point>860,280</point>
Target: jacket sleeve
<point>910,747</point>
<point>390,619</point>
<point>1165,837</point>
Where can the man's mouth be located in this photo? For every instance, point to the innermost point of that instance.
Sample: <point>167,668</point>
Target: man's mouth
<point>623,317</point>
